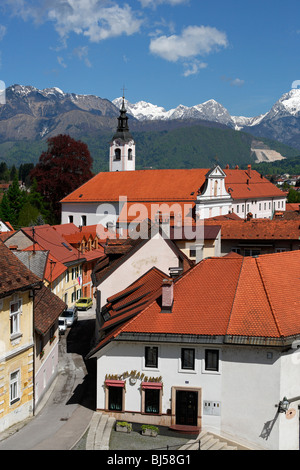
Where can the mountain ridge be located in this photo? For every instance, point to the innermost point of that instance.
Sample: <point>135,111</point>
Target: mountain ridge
<point>30,116</point>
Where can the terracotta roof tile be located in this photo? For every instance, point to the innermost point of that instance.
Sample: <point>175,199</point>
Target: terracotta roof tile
<point>47,308</point>
<point>14,274</point>
<point>51,240</point>
<point>258,229</point>
<point>231,296</point>
<point>167,185</point>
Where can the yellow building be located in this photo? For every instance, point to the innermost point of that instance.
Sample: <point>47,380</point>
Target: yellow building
<point>16,339</point>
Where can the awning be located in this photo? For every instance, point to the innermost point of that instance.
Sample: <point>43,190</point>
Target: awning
<point>115,383</point>
<point>152,385</point>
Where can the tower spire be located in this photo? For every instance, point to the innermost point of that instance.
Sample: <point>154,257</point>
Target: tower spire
<point>122,148</point>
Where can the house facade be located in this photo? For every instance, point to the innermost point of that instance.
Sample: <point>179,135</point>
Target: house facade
<point>16,340</point>
<point>63,271</point>
<point>215,349</point>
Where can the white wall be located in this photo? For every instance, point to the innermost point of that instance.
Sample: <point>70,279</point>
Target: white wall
<point>155,252</point>
<point>251,381</point>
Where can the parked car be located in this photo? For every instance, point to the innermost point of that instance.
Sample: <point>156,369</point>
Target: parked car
<point>70,315</point>
<point>62,325</point>
<point>84,303</point>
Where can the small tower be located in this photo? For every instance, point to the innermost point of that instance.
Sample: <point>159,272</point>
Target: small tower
<point>122,146</point>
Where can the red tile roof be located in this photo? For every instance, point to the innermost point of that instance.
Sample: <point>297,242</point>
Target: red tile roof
<point>14,276</point>
<point>168,185</point>
<point>258,229</point>
<point>47,308</point>
<point>250,300</point>
<point>50,240</point>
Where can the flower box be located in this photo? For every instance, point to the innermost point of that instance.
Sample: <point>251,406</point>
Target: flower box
<point>123,426</point>
<point>148,430</point>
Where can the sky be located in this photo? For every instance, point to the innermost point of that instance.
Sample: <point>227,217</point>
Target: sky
<point>245,54</point>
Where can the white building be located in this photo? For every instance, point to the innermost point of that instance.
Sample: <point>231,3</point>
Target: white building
<point>215,349</point>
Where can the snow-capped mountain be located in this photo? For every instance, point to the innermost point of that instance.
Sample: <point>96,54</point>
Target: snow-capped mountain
<point>209,111</point>
<point>281,123</point>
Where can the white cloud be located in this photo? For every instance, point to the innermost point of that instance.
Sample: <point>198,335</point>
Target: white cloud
<point>61,62</point>
<point>154,3</point>
<point>237,82</point>
<point>96,19</point>
<point>2,31</point>
<point>82,53</point>
<point>193,68</point>
<point>93,19</point>
<point>194,41</point>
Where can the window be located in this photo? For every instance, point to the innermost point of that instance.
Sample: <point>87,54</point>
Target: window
<point>75,273</point>
<point>83,220</point>
<point>117,154</point>
<point>151,356</point>
<point>188,358</point>
<point>192,252</point>
<point>152,400</point>
<point>259,207</point>
<point>130,154</point>
<point>14,387</point>
<point>70,219</point>
<point>212,359</point>
<point>236,250</point>
<point>115,398</point>
<point>67,276</point>
<point>251,252</point>
<point>15,312</point>
<point>265,206</point>
<point>237,209</point>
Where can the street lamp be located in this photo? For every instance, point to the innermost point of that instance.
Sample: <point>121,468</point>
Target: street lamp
<point>283,405</point>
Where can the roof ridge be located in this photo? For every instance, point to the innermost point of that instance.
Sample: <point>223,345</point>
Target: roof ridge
<point>257,261</point>
<point>234,297</point>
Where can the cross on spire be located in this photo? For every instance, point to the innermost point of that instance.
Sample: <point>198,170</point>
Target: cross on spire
<point>123,90</point>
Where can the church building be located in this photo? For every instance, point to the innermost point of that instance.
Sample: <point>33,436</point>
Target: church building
<point>125,194</point>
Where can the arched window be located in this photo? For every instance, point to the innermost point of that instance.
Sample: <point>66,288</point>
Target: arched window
<point>129,154</point>
<point>117,154</point>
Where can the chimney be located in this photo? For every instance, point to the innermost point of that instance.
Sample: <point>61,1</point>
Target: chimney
<point>167,296</point>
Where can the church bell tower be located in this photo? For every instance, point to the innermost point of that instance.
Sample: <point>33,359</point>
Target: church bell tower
<point>122,146</point>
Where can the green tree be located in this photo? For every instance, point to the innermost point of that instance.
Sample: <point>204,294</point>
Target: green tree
<point>293,196</point>
<point>6,214</point>
<point>16,199</point>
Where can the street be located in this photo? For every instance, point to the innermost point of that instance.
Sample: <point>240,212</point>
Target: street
<point>70,406</point>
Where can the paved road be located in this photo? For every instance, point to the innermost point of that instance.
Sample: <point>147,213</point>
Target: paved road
<point>70,406</point>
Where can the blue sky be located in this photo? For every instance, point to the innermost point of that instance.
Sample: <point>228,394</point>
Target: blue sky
<point>243,53</point>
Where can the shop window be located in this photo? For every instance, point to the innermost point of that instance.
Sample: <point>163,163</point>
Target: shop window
<point>115,397</point>
<point>152,399</point>
<point>115,394</point>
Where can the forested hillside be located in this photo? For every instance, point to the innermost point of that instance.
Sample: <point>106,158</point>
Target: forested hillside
<point>183,147</point>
